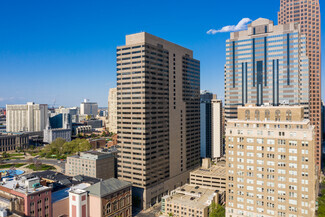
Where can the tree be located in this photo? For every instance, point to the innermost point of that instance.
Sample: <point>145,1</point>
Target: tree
<point>60,148</point>
<point>5,155</point>
<point>321,204</point>
<point>38,165</point>
<point>216,210</point>
<point>30,160</point>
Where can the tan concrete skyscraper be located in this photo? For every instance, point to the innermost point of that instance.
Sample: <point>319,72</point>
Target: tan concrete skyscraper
<point>307,13</point>
<point>158,115</point>
<point>270,165</point>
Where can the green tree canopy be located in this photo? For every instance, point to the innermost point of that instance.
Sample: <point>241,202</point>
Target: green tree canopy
<point>321,204</point>
<point>216,210</point>
<point>60,147</point>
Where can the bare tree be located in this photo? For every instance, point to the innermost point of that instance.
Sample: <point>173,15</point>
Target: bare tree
<point>38,165</point>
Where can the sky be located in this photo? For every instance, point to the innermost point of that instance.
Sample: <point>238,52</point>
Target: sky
<point>60,52</point>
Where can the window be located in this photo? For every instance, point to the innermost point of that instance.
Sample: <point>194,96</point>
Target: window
<point>257,115</point>
<point>267,115</point>
<point>108,208</point>
<point>288,115</point>
<point>277,115</point>
<point>115,205</point>
<point>247,115</point>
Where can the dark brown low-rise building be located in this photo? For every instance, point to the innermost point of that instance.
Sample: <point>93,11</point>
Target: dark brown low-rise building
<point>12,142</point>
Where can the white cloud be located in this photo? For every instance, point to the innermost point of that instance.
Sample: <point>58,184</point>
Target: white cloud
<point>242,25</point>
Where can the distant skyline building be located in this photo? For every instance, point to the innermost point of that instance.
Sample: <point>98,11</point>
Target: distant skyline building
<point>112,110</point>
<point>270,167</point>
<point>61,120</point>
<point>26,118</point>
<point>158,115</point>
<point>211,125</point>
<point>62,129</point>
<point>266,64</point>
<point>89,108</point>
<point>73,112</point>
<point>307,14</point>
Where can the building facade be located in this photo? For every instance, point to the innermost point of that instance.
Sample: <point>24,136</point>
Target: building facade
<point>78,203</point>
<point>217,148</point>
<point>88,108</point>
<point>110,198</point>
<point>26,197</point>
<point>211,126</point>
<point>52,134</point>
<point>26,118</point>
<point>213,176</point>
<point>158,115</point>
<point>189,200</point>
<point>13,142</point>
<point>266,64</point>
<point>64,131</point>
<point>307,14</point>
<point>271,167</point>
<point>206,123</point>
<point>91,163</point>
<point>112,110</point>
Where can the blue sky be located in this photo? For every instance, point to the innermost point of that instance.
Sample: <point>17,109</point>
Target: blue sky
<point>65,50</point>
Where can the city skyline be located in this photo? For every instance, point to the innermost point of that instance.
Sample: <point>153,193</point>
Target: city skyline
<point>51,55</point>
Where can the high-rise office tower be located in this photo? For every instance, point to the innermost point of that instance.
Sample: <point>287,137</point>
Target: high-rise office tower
<point>112,110</point>
<point>307,14</point>
<point>89,108</point>
<point>270,167</point>
<point>266,64</point>
<point>205,119</point>
<point>211,126</point>
<point>158,115</point>
<point>29,118</point>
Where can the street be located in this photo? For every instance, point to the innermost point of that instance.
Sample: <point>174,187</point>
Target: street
<point>44,161</point>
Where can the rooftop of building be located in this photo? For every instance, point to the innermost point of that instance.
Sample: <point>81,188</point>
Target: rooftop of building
<point>108,186</point>
<point>77,191</point>
<point>193,196</point>
<point>144,37</point>
<point>215,170</point>
<point>60,181</point>
<point>283,105</point>
<point>92,155</point>
<point>23,184</point>
<point>58,129</point>
<point>263,27</point>
<point>64,193</point>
